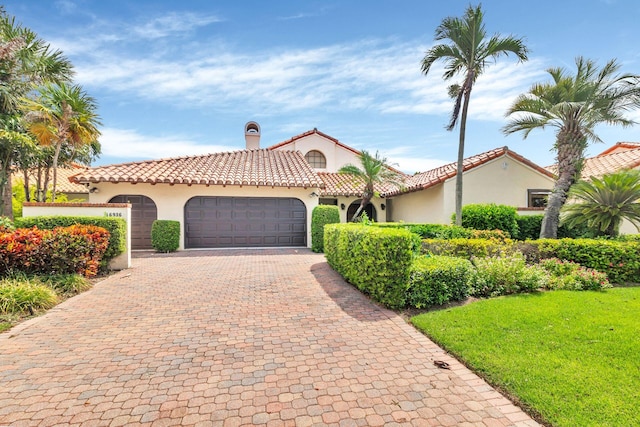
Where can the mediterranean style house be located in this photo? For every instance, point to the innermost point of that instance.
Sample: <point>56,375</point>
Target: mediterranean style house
<point>263,197</point>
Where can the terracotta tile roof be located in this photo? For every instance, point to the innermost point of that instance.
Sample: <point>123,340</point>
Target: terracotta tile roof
<point>64,184</point>
<point>608,163</point>
<point>424,180</point>
<point>337,184</point>
<point>264,168</point>
<point>620,146</point>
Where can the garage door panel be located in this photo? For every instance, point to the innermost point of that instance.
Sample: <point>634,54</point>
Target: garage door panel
<point>244,222</point>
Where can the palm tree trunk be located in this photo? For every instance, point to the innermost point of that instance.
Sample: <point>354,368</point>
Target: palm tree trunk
<point>55,171</point>
<point>570,154</point>
<point>365,201</point>
<point>460,165</point>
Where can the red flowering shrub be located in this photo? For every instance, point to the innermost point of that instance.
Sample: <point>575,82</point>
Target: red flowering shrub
<point>74,249</point>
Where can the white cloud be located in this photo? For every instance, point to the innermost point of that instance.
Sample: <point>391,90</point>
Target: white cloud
<point>173,23</point>
<point>127,144</point>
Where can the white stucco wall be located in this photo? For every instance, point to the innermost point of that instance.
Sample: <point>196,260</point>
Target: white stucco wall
<point>424,206</point>
<point>336,155</point>
<point>171,199</point>
<point>501,181</point>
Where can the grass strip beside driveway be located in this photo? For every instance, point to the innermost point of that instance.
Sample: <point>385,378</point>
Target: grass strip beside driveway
<point>573,357</point>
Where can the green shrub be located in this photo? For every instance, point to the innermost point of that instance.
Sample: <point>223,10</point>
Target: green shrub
<point>490,217</point>
<point>117,228</point>
<point>506,275</point>
<point>165,235</point>
<point>529,226</point>
<point>620,261</point>
<point>321,216</point>
<point>67,284</point>
<point>438,280</point>
<point>467,248</point>
<point>571,276</point>
<point>430,231</point>
<point>6,223</point>
<point>22,296</point>
<point>376,260</point>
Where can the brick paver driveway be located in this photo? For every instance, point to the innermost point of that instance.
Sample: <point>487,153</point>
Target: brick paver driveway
<point>234,338</point>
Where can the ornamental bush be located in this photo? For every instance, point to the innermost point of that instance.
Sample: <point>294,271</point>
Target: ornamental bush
<point>619,260</point>
<point>376,260</point>
<point>321,216</point>
<point>438,280</point>
<point>63,250</point>
<point>572,276</point>
<point>506,275</point>
<point>165,235</point>
<point>117,228</point>
<point>490,217</point>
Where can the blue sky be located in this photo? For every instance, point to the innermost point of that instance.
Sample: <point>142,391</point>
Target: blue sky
<point>180,78</point>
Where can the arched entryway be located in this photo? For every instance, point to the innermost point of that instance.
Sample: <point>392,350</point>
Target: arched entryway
<point>143,213</point>
<point>369,209</point>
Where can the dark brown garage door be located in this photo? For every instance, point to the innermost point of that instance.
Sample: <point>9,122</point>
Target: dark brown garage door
<point>232,222</point>
<point>143,213</point>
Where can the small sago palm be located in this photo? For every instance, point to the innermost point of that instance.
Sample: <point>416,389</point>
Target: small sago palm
<point>372,170</point>
<point>574,105</point>
<point>603,203</point>
<point>467,53</point>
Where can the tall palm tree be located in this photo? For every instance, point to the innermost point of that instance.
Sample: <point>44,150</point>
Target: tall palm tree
<point>372,170</point>
<point>603,203</point>
<point>467,53</point>
<point>62,114</point>
<point>574,105</point>
<point>25,61</point>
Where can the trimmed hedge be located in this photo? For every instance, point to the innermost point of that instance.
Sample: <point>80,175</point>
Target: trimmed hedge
<point>165,235</point>
<point>467,248</point>
<point>63,250</point>
<point>117,228</point>
<point>429,231</point>
<point>530,225</point>
<point>438,280</point>
<point>321,216</point>
<point>376,260</point>
<point>490,217</point>
<point>619,260</point>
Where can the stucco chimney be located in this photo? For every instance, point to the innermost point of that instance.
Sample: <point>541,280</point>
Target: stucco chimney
<point>252,135</point>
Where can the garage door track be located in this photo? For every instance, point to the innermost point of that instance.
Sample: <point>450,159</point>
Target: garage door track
<point>230,338</point>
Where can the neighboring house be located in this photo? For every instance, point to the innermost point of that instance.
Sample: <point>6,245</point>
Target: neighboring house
<point>73,190</point>
<point>622,155</point>
<point>264,197</point>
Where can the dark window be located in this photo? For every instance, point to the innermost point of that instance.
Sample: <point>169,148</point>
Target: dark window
<point>333,202</point>
<point>538,198</point>
<point>316,159</point>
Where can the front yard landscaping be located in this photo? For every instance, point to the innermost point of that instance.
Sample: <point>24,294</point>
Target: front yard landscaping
<point>571,357</point>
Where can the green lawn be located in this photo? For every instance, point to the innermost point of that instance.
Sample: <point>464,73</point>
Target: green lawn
<point>574,357</point>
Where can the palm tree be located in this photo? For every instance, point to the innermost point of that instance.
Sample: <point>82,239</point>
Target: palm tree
<point>372,170</point>
<point>603,203</point>
<point>467,52</point>
<point>62,114</point>
<point>574,105</point>
<point>25,61</point>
